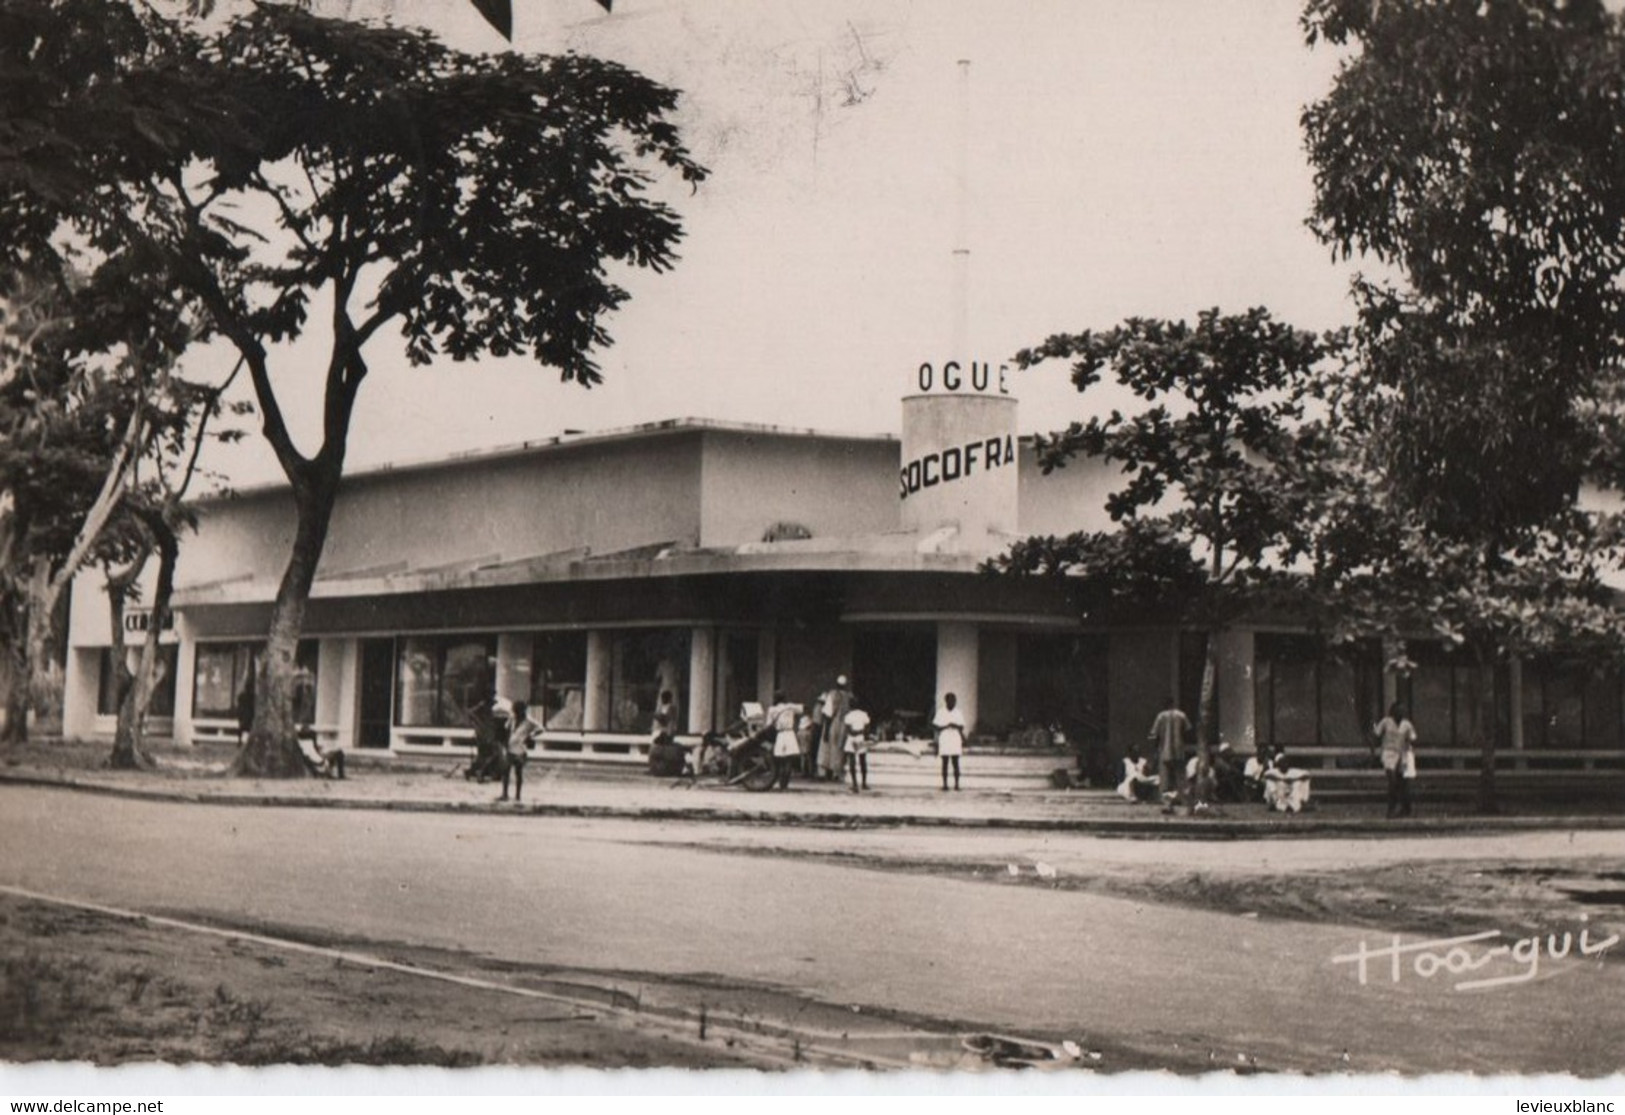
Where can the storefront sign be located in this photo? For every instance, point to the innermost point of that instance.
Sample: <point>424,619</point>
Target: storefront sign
<point>979,377</point>
<point>956,463</point>
<point>137,622</point>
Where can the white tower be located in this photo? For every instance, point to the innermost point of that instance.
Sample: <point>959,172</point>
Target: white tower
<point>959,419</point>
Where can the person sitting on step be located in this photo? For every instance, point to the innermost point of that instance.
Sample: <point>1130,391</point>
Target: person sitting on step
<point>320,761</point>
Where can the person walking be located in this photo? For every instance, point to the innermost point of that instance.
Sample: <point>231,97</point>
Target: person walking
<point>1396,735</point>
<point>522,735</point>
<point>949,724</point>
<point>1168,732</point>
<point>781,721</point>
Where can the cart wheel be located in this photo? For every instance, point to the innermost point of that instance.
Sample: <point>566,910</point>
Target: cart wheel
<point>759,774</point>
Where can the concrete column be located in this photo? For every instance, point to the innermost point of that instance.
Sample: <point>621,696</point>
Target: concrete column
<point>185,678</point>
<point>79,688</point>
<point>958,664</point>
<point>338,688</point>
<point>1237,715</point>
<point>595,716</point>
<point>329,668</point>
<point>513,667</point>
<point>702,679</point>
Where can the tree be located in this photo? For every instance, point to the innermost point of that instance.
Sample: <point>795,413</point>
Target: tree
<point>72,434</point>
<point>92,413</point>
<point>1214,467</point>
<point>152,516</point>
<point>471,202</point>
<point>1478,150</point>
<point>50,433</point>
<point>83,330</point>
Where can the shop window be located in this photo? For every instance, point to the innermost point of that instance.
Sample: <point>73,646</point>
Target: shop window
<point>1602,706</point>
<point>440,678</point>
<point>163,694</point>
<point>1308,696</point>
<point>1570,706</point>
<point>558,679</point>
<point>1345,706</point>
<point>1447,701</point>
<point>1296,699</point>
<point>894,678</point>
<point>736,675</point>
<point>1061,681</point>
<point>645,663</point>
<point>222,670</point>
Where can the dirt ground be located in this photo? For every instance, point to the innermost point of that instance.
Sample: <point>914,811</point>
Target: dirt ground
<point>1421,897</point>
<point>83,986</point>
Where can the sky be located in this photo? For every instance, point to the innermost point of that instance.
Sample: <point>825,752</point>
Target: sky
<point>1123,157</point>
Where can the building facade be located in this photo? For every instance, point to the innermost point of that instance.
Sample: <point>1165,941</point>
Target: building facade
<point>719,563</point>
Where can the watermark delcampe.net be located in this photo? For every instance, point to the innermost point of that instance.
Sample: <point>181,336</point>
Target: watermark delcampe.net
<point>1472,955</point>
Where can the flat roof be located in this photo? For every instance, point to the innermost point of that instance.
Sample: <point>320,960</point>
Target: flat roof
<point>570,439</point>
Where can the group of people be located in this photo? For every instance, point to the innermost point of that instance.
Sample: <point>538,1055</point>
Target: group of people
<point>1182,776</point>
<point>504,736</point>
<point>1202,783</point>
<point>1266,777</point>
<point>833,740</point>
<point>829,743</point>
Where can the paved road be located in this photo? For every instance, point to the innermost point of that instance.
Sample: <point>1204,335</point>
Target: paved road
<point>596,894</point>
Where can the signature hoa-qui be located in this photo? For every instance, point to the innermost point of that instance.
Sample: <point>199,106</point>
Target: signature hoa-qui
<point>1460,956</point>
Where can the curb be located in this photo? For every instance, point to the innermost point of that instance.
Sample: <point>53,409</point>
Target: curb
<point>1158,827</point>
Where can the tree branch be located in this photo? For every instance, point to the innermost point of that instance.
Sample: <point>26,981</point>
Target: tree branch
<point>207,285</point>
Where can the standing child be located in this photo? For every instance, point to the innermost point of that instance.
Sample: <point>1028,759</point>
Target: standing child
<point>781,721</point>
<point>1397,735</point>
<point>857,747</point>
<point>950,728</point>
<point>521,738</point>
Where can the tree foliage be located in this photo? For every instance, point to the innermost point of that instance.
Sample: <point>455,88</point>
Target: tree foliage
<point>1201,508</point>
<point>1214,470</point>
<point>473,203</point>
<point>87,400</point>
<point>1477,151</point>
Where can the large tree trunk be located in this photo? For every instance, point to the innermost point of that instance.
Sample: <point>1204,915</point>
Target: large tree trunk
<point>14,664</point>
<point>44,676</point>
<point>14,673</point>
<point>272,749</point>
<point>135,692</point>
<point>1206,724</point>
<point>125,755</point>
